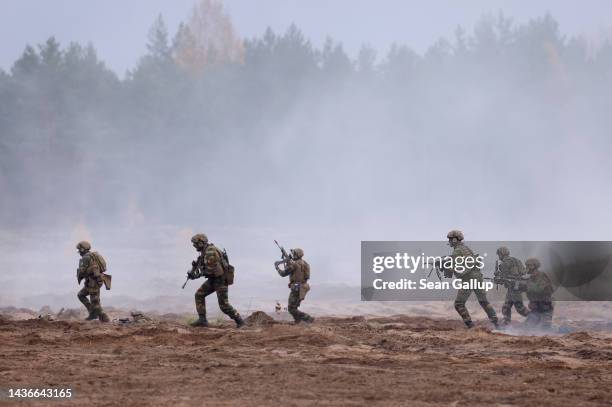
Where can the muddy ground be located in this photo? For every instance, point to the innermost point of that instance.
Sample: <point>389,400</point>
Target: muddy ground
<point>386,361</point>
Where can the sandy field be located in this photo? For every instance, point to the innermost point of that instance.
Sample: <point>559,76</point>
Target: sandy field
<point>341,361</point>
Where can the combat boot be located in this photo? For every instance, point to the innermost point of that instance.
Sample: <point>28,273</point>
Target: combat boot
<point>93,314</point>
<point>308,319</point>
<point>469,324</point>
<point>103,317</point>
<point>201,321</point>
<point>239,321</point>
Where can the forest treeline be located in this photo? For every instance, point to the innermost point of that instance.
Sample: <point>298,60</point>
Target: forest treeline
<point>206,118</point>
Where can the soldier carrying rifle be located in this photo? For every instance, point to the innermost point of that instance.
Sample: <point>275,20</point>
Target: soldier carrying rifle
<point>213,264</point>
<point>92,268</point>
<point>509,272</point>
<point>455,241</point>
<point>298,271</point>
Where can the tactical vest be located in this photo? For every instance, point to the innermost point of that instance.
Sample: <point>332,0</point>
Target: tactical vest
<point>212,262</point>
<point>463,251</point>
<point>90,266</point>
<point>539,287</point>
<point>511,266</point>
<point>300,272</point>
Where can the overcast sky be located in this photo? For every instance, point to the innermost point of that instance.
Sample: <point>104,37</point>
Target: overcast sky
<point>118,27</point>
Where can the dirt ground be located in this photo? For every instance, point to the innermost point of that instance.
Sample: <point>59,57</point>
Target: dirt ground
<point>387,361</point>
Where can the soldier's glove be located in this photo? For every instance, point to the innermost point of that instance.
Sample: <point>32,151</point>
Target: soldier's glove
<point>191,275</point>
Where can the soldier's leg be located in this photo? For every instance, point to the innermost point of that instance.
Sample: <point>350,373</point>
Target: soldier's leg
<point>517,301</point>
<point>507,307</point>
<point>533,318</point>
<point>486,305</point>
<point>520,307</point>
<point>546,316</point>
<point>462,297</point>
<point>226,308</point>
<point>94,297</point>
<point>200,297</point>
<point>82,295</point>
<point>293,304</point>
<point>529,321</point>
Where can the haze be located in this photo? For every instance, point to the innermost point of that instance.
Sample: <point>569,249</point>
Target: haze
<point>501,130</point>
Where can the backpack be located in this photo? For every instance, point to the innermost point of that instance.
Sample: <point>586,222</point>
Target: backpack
<point>97,257</point>
<point>229,269</point>
<point>106,278</point>
<point>517,266</point>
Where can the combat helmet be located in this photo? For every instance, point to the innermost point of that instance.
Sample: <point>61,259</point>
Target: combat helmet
<point>532,261</point>
<point>199,238</point>
<point>83,246</point>
<point>297,253</point>
<point>455,234</point>
<point>503,251</point>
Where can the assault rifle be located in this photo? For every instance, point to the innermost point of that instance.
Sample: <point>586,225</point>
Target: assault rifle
<point>511,282</point>
<point>192,274</point>
<point>285,258</point>
<point>438,267</point>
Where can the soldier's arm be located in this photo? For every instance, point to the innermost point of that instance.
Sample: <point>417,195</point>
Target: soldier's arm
<point>289,268</point>
<point>547,286</point>
<point>306,271</point>
<point>84,267</point>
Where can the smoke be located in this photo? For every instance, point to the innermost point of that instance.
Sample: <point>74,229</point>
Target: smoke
<point>504,148</point>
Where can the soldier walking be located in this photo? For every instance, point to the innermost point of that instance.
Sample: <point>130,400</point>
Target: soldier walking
<point>298,271</point>
<point>460,250</point>
<point>511,268</point>
<point>91,269</point>
<point>212,264</point>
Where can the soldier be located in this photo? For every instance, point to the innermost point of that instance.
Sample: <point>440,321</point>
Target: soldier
<point>539,289</point>
<point>512,268</point>
<point>212,264</point>
<point>298,271</point>
<point>455,240</point>
<point>90,269</point>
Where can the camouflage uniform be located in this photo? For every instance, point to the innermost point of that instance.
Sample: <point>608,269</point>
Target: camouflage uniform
<point>511,267</point>
<point>298,271</point>
<point>210,265</point>
<point>539,292</point>
<point>461,250</point>
<point>89,270</point>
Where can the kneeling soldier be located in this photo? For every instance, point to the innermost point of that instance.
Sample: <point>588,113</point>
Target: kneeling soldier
<point>539,289</point>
